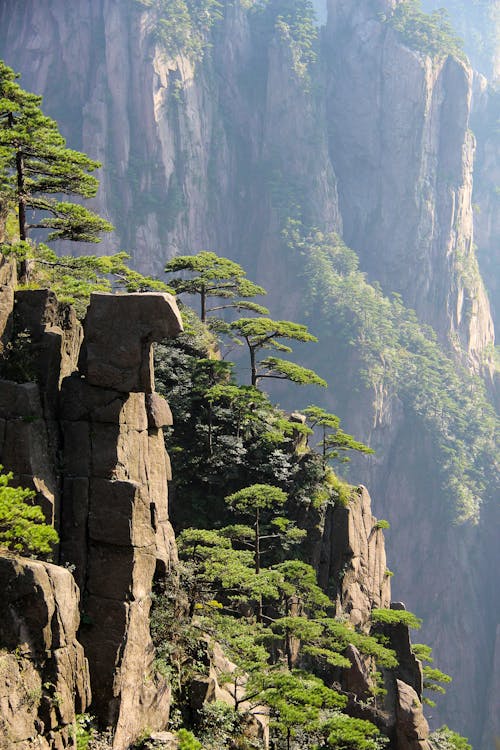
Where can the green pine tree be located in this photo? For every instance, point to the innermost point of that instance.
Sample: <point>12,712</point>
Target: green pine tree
<point>37,168</point>
<point>22,524</point>
<point>264,333</point>
<point>215,276</point>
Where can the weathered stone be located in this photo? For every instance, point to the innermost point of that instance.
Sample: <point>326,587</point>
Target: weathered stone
<point>119,332</point>
<point>8,281</point>
<point>55,335</point>
<point>409,668</point>
<point>159,413</point>
<point>120,514</point>
<point>356,679</point>
<point>353,559</point>
<point>25,451</point>
<point>412,727</point>
<point>169,741</point>
<point>115,529</point>
<point>20,400</point>
<point>77,449</point>
<point>73,529</point>
<point>48,677</point>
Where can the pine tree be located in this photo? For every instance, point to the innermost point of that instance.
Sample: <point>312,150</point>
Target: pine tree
<point>22,525</point>
<point>264,333</point>
<point>217,277</point>
<point>334,441</point>
<point>36,168</point>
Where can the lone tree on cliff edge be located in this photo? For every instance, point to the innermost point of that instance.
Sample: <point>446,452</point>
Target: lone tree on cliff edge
<point>215,276</point>
<point>264,333</point>
<point>36,166</point>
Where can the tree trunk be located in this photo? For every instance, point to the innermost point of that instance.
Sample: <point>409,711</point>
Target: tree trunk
<point>257,560</point>
<point>203,303</point>
<point>257,542</point>
<point>253,366</point>
<point>26,264</point>
<point>21,199</point>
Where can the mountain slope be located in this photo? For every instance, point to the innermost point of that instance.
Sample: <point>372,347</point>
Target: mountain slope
<point>347,129</point>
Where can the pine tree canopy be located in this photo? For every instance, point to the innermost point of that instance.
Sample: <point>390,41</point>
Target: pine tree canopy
<point>36,168</point>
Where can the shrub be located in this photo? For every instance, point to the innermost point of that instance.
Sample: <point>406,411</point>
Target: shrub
<point>187,740</point>
<point>396,617</point>
<point>22,526</point>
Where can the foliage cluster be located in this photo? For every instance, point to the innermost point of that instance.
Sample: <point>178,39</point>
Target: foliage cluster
<point>183,26</point>
<point>429,33</point>
<point>401,356</point>
<point>433,678</point>
<point>295,23</point>
<point>241,438</point>
<point>22,525</point>
<point>445,739</point>
<point>477,21</point>
<point>36,168</point>
<point>74,278</point>
<point>243,583</point>
<point>272,623</point>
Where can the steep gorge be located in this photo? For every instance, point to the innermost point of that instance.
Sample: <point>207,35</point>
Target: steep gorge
<point>371,142</point>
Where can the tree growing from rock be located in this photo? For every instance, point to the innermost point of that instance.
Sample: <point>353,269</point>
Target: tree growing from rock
<point>263,333</point>
<point>218,277</point>
<point>334,441</point>
<point>36,168</point>
<point>22,525</point>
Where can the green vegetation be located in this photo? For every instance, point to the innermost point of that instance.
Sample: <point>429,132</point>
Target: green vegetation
<point>271,621</point>
<point>187,740</point>
<point>241,438</point>
<point>183,26</point>
<point>352,734</point>
<point>334,441</point>
<point>242,583</point>
<point>264,333</point>
<point>73,279</point>
<point>36,166</point>
<point>433,678</point>
<point>396,617</point>
<point>217,277</point>
<point>399,356</point>
<point>432,34</point>
<point>295,23</point>
<point>22,525</point>
<point>445,739</point>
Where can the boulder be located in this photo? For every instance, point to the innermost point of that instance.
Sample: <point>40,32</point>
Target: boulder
<point>412,727</point>
<point>45,677</point>
<point>119,332</point>
<point>158,410</point>
<point>8,281</point>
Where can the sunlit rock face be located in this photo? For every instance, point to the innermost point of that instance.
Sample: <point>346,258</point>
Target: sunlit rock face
<point>87,437</point>
<point>376,146</point>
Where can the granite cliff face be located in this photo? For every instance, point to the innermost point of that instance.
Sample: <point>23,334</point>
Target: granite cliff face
<point>98,438</point>
<point>86,435</point>
<point>374,143</point>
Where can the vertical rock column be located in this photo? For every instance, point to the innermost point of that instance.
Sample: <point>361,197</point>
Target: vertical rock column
<point>115,527</point>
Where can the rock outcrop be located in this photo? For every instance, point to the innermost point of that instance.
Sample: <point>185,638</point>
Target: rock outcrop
<point>115,526</point>
<point>90,442</point>
<point>373,143</point>
<point>44,675</point>
<point>350,558</point>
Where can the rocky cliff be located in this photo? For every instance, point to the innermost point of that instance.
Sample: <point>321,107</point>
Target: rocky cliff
<point>88,439</point>
<point>373,142</point>
<point>85,432</point>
